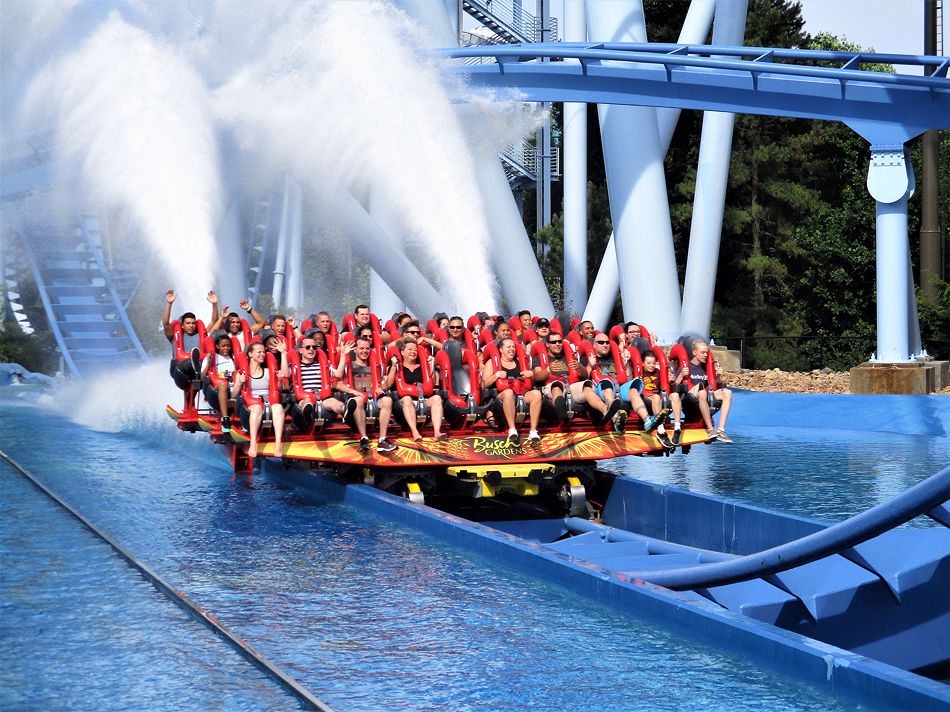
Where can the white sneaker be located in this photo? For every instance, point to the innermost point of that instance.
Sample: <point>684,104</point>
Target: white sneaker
<point>534,437</point>
<point>723,438</point>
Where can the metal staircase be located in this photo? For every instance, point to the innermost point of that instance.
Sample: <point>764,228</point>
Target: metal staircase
<point>521,162</point>
<point>509,21</point>
<point>261,250</point>
<point>85,312</point>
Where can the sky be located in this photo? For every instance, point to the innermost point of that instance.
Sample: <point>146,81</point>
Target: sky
<point>889,26</point>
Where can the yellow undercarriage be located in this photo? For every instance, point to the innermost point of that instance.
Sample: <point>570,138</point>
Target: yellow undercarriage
<point>522,479</point>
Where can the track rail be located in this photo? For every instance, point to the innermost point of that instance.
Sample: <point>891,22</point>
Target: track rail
<point>183,601</point>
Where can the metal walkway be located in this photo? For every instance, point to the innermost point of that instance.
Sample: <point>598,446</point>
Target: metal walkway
<point>85,312</point>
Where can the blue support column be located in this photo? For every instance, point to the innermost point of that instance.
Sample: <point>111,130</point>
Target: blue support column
<point>889,184</point>
<point>893,286</point>
<point>636,181</point>
<point>575,179</point>
<point>712,176</point>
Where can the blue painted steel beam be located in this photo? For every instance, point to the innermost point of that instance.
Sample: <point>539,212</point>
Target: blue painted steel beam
<point>677,76</point>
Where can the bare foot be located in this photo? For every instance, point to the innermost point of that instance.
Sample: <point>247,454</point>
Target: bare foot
<point>252,451</point>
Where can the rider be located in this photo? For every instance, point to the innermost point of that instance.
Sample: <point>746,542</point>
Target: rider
<point>259,387</point>
<point>362,389</point>
<point>608,387</point>
<point>510,370</point>
<point>311,379</point>
<point>412,375</point>
<point>553,378</point>
<point>653,400</point>
<point>722,396</point>
<point>186,370</point>
<point>229,382</point>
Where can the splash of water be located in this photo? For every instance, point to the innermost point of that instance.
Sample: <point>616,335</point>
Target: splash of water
<point>135,119</point>
<point>342,96</point>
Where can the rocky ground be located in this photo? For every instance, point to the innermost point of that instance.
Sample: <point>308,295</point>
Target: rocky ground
<point>776,381</point>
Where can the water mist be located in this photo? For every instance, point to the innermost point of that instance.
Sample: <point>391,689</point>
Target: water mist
<point>342,97</point>
<point>134,118</point>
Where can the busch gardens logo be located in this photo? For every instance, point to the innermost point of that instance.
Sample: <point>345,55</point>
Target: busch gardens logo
<point>496,447</point>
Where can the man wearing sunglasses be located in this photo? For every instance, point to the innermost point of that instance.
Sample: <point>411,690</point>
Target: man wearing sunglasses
<point>311,380</point>
<point>412,328</point>
<point>609,389</point>
<point>552,380</point>
<point>456,329</point>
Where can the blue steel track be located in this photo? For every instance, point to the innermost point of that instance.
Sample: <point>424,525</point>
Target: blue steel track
<point>884,108</point>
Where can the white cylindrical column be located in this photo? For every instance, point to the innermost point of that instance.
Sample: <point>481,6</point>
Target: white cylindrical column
<point>376,247</point>
<point>293,287</point>
<point>383,301</point>
<point>604,292</point>
<point>574,142</point>
<point>636,182</point>
<point>712,177</point>
<point>511,254</point>
<point>695,29</point>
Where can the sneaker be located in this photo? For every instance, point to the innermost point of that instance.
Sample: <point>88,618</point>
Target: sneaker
<point>712,434</point>
<point>677,434</point>
<point>612,410</point>
<point>196,360</point>
<point>349,409</point>
<point>513,437</point>
<point>723,438</point>
<point>364,444</point>
<point>620,421</point>
<point>386,445</point>
<point>533,437</point>
<point>664,440</point>
<point>654,421</point>
<point>560,407</point>
<point>226,423</point>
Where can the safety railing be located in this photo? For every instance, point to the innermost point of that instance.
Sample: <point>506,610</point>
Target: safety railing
<point>510,22</point>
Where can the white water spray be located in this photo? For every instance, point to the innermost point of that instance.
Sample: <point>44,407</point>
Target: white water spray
<point>342,97</point>
<point>136,121</point>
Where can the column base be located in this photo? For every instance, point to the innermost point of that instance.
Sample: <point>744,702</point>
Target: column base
<point>729,360</point>
<point>912,378</point>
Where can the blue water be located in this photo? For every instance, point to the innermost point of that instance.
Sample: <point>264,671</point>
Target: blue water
<point>366,615</point>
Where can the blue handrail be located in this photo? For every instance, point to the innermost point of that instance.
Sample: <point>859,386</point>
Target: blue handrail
<point>711,56</point>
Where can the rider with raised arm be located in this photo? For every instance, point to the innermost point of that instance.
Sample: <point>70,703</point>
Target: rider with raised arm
<point>183,371</point>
